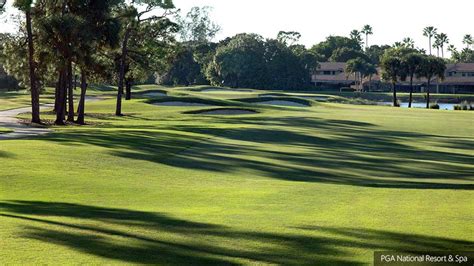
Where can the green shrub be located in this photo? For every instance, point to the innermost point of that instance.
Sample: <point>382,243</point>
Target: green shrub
<point>434,106</point>
<point>465,106</point>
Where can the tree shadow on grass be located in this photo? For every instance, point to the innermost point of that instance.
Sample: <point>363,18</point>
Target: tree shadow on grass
<point>118,234</point>
<point>5,154</point>
<point>290,148</point>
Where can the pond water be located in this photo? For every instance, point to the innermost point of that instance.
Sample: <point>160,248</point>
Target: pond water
<point>442,106</point>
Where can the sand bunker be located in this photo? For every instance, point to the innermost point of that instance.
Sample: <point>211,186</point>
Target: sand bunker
<point>227,111</point>
<point>154,94</point>
<point>283,103</point>
<point>178,103</point>
<point>316,98</point>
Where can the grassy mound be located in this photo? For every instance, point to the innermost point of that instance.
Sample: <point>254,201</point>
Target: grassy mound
<point>152,93</point>
<point>190,100</point>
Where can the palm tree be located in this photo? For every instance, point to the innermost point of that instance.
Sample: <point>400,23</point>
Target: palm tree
<point>391,71</point>
<point>437,45</point>
<point>369,71</point>
<point>355,35</point>
<point>26,7</point>
<point>452,48</point>
<point>355,67</point>
<point>411,63</point>
<point>454,52</point>
<point>421,50</point>
<point>367,30</point>
<point>431,67</point>
<point>442,39</point>
<point>409,42</point>
<point>398,45</point>
<point>429,32</point>
<point>467,40</point>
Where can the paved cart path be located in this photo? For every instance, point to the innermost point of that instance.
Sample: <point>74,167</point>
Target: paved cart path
<point>8,120</point>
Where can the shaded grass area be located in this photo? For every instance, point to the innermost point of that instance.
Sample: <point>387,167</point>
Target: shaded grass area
<point>188,99</point>
<point>325,185</point>
<point>265,98</point>
<point>203,111</point>
<point>18,99</point>
<point>276,248</point>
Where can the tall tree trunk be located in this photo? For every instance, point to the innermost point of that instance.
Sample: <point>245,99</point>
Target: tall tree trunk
<point>70,93</point>
<point>128,89</point>
<point>60,112</point>
<point>56,93</point>
<point>395,102</point>
<point>411,92</point>
<point>428,95</point>
<point>366,42</point>
<point>370,83</point>
<point>35,104</point>
<point>118,109</point>
<point>82,102</point>
<point>430,44</point>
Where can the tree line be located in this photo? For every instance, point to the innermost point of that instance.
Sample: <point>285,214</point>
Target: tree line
<point>67,42</point>
<point>109,41</point>
<point>249,60</point>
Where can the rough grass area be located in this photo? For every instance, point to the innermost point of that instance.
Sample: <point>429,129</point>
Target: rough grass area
<point>17,99</point>
<point>323,185</point>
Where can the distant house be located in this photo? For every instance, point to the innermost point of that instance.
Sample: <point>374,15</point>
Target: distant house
<point>332,76</point>
<point>459,78</point>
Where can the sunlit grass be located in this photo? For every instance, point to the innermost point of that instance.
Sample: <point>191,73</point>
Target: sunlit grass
<point>316,185</point>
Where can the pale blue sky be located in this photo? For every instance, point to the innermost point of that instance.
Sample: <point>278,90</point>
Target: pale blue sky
<point>392,20</point>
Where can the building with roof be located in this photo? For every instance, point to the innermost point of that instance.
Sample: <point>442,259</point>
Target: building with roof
<point>459,78</point>
<point>332,76</point>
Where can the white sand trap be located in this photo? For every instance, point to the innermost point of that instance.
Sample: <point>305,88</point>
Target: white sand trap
<point>154,94</point>
<point>178,103</point>
<point>316,98</point>
<point>283,103</point>
<point>228,112</point>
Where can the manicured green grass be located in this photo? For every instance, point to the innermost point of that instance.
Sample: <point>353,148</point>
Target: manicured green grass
<point>18,99</point>
<point>324,184</point>
<point>4,130</point>
<point>417,97</point>
<point>10,100</point>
